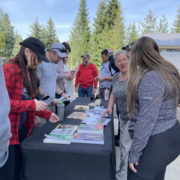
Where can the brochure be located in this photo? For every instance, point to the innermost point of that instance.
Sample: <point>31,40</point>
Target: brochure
<point>100,121</point>
<point>88,138</point>
<point>89,128</point>
<point>78,115</point>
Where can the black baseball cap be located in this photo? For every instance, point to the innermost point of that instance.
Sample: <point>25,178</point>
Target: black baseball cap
<point>37,46</point>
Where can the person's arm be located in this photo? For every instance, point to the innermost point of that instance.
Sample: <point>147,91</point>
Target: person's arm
<point>149,90</point>
<point>95,75</point>
<point>60,92</point>
<point>105,78</point>
<point>110,105</point>
<point>5,128</point>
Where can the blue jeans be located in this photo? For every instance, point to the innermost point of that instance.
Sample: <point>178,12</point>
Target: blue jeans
<point>82,92</point>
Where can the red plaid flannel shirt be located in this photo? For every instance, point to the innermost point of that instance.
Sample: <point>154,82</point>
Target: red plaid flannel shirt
<point>14,83</point>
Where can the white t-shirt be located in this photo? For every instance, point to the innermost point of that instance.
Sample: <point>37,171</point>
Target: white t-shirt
<point>48,74</point>
<point>69,85</point>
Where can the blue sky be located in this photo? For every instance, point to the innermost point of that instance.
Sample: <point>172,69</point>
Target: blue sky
<point>22,13</point>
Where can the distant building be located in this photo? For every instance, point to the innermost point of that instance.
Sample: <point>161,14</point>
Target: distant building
<point>169,46</point>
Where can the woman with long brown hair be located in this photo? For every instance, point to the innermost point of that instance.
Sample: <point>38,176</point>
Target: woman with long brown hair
<point>20,82</point>
<point>153,96</point>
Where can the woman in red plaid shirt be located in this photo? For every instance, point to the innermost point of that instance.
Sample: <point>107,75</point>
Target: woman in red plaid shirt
<point>21,85</point>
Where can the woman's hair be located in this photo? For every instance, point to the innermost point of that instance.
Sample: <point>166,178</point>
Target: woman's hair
<point>144,55</point>
<point>119,53</point>
<point>20,59</point>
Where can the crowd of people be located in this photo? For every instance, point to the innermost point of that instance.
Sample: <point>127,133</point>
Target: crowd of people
<point>144,86</point>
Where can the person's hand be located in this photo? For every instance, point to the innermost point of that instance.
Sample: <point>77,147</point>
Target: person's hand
<point>178,105</point>
<point>94,90</point>
<point>54,118</point>
<point>40,106</point>
<point>65,95</point>
<point>101,79</point>
<point>76,89</point>
<point>96,79</point>
<point>72,77</point>
<point>55,101</point>
<point>109,110</point>
<point>36,121</point>
<point>132,167</point>
<point>69,74</point>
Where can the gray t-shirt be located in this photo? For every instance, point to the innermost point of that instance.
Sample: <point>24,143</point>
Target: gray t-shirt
<point>5,128</point>
<point>104,72</point>
<point>48,74</point>
<point>120,94</point>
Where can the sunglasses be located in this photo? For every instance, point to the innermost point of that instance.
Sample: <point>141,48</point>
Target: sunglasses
<point>61,50</point>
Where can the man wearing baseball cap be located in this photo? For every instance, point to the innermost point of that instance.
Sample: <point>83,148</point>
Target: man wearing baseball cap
<point>85,77</point>
<point>47,72</point>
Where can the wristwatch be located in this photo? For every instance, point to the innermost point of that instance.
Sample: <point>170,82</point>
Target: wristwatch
<point>95,87</point>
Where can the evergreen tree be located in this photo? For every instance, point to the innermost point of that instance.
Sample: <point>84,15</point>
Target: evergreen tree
<point>8,31</point>
<point>35,29</point>
<point>111,13</point>
<point>43,35</point>
<point>163,25</point>
<point>131,33</point>
<point>50,34</point>
<point>150,23</point>
<point>100,20</point>
<point>2,45</point>
<point>117,33</point>
<point>18,39</point>
<point>80,33</point>
<point>176,23</point>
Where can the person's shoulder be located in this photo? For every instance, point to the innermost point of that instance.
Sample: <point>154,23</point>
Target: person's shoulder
<point>151,74</point>
<point>12,67</point>
<point>116,76</point>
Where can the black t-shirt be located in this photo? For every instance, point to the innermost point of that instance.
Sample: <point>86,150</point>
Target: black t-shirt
<point>112,64</point>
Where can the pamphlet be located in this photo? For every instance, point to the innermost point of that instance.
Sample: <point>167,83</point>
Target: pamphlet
<point>100,121</point>
<point>78,115</point>
<point>88,138</point>
<point>81,107</point>
<point>90,128</point>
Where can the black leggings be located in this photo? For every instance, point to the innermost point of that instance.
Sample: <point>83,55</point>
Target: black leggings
<point>133,176</point>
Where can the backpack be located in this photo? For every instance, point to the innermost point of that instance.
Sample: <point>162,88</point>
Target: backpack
<point>112,64</point>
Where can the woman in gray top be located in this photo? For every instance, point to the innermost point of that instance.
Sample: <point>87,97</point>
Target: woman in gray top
<point>153,96</point>
<point>119,94</point>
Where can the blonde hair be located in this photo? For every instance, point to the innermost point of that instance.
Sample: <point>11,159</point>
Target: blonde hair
<point>144,55</point>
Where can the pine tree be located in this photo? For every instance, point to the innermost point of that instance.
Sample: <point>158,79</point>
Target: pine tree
<point>176,23</point>
<point>43,35</point>
<point>8,31</point>
<point>18,39</point>
<point>35,29</point>
<point>111,13</point>
<point>117,33</point>
<point>100,20</point>
<point>51,36</point>
<point>163,25</point>
<point>131,33</point>
<point>2,45</point>
<point>80,33</point>
<point>150,23</point>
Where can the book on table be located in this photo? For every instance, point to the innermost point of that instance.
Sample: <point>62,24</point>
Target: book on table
<point>90,128</point>
<point>88,138</point>
<point>58,139</point>
<point>62,134</point>
<point>94,121</point>
<point>65,129</point>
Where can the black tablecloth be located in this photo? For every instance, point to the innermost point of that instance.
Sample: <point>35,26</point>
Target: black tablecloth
<point>76,161</point>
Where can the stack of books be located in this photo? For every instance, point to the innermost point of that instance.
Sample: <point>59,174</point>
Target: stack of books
<point>62,134</point>
<point>89,133</point>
